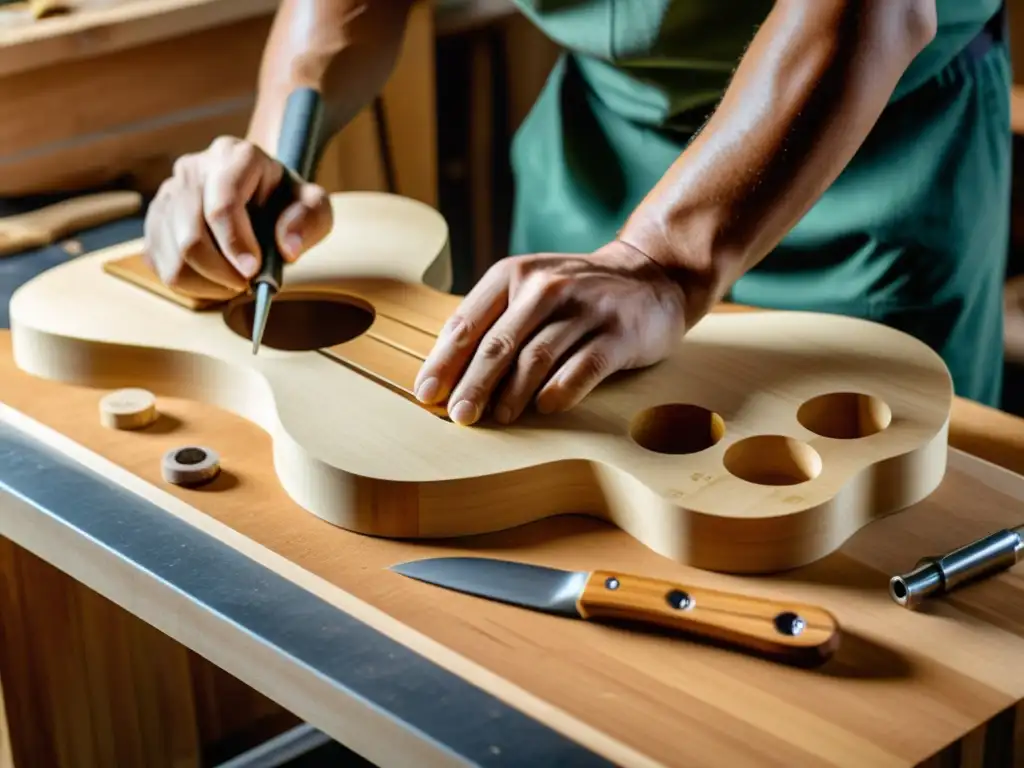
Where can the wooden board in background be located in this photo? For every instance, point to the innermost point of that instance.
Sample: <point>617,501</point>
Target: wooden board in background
<point>129,111</point>
<point>778,387</point>
<point>781,384</point>
<point>125,90</point>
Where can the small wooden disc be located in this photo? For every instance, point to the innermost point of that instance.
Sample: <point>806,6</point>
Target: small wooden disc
<point>190,465</point>
<point>128,409</point>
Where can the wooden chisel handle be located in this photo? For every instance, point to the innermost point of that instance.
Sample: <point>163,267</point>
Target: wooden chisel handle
<point>46,225</point>
<point>794,632</point>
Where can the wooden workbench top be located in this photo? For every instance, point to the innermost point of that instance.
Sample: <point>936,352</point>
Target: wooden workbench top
<point>903,686</point>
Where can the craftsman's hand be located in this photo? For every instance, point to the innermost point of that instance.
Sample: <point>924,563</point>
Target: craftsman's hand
<point>198,236</point>
<point>550,327</point>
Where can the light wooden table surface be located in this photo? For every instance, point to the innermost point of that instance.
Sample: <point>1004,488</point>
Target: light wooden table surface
<point>307,615</point>
<point>102,618</point>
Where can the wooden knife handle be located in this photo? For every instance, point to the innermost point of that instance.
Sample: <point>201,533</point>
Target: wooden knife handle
<point>792,632</point>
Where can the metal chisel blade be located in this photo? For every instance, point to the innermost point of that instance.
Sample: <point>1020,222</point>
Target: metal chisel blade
<point>530,586</point>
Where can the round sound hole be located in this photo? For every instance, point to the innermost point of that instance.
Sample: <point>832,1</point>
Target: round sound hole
<point>302,322</point>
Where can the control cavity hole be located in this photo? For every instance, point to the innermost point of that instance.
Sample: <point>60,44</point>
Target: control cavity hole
<point>845,415</point>
<point>677,428</point>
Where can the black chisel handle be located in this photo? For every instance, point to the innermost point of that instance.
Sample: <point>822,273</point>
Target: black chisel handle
<point>296,150</point>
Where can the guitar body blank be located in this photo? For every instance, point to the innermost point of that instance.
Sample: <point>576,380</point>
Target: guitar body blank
<point>762,443</point>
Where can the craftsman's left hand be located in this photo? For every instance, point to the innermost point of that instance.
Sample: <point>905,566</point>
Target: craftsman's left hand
<point>550,327</point>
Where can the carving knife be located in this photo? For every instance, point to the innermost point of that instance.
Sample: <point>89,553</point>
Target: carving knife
<point>296,149</point>
<point>804,635</point>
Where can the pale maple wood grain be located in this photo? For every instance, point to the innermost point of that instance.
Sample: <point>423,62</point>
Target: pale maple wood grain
<point>830,421</point>
<point>984,493</point>
<point>977,429</point>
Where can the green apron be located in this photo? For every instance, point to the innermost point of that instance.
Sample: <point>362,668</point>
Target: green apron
<point>914,233</point>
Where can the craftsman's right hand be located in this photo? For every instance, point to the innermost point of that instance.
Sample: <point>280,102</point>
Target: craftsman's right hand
<point>198,237</point>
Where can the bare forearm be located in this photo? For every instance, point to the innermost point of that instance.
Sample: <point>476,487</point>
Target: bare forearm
<point>346,49</point>
<point>805,96</point>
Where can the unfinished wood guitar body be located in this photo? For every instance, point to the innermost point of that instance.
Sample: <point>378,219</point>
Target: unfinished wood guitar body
<point>762,443</point>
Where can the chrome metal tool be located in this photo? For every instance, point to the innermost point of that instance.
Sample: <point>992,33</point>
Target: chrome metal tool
<point>934,576</point>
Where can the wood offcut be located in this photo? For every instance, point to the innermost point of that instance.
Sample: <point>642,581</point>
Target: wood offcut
<point>130,408</point>
<point>50,223</point>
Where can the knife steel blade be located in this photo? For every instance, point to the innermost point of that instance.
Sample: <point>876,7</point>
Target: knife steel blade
<point>793,632</point>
